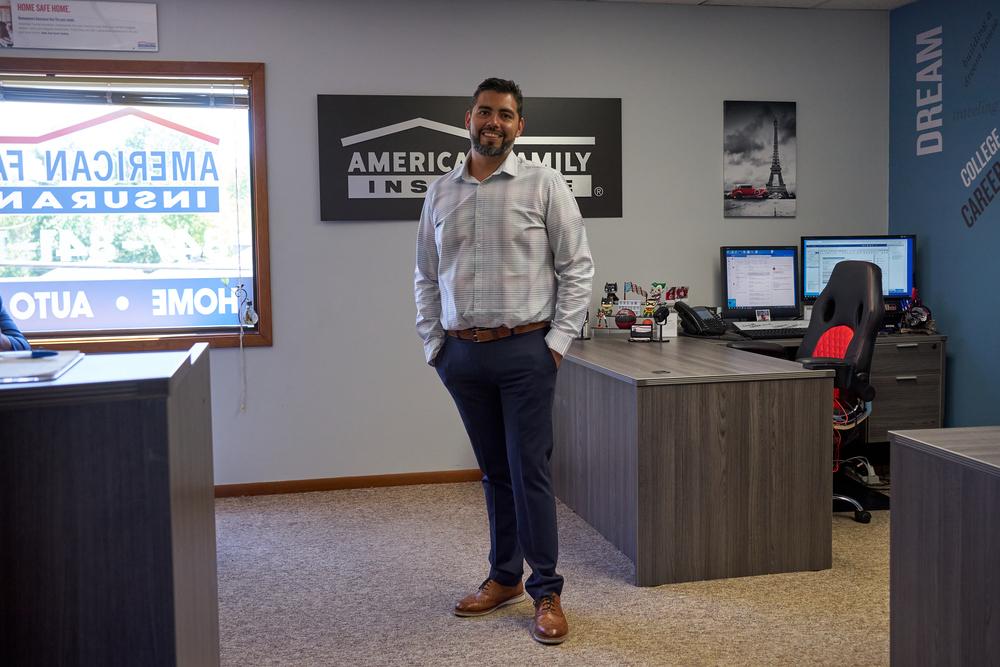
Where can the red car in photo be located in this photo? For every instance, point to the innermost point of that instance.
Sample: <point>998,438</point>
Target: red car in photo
<point>748,191</point>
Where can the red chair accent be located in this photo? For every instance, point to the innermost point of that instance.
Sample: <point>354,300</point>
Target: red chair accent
<point>833,343</point>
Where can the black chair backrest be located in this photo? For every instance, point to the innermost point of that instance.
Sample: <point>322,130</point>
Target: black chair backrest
<point>852,298</point>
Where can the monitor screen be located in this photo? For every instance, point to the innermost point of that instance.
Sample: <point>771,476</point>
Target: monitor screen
<point>760,278</point>
<point>893,254</point>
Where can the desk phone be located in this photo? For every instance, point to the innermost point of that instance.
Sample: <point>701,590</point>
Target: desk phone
<point>699,320</point>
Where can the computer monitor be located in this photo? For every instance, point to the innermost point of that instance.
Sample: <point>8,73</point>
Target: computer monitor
<point>894,254</point>
<point>760,278</point>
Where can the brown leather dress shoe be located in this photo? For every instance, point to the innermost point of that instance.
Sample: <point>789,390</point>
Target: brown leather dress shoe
<point>550,623</point>
<point>491,596</point>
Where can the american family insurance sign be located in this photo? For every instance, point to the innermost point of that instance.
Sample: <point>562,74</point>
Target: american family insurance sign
<point>379,153</point>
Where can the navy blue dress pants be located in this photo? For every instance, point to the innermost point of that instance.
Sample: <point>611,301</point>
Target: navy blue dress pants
<point>504,391</point>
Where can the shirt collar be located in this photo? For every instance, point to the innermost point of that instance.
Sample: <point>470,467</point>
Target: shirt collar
<point>509,166</point>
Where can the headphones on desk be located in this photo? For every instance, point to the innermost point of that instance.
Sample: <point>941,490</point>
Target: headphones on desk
<point>661,314</point>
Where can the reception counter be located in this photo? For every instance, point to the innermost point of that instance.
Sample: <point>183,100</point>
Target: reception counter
<point>108,517</point>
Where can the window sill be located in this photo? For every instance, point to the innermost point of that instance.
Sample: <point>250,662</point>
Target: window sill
<point>150,343</point>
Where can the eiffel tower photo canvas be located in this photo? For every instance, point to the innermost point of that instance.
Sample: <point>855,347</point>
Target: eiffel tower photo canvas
<point>758,169</point>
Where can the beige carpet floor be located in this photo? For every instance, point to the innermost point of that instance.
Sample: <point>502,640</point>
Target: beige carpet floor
<point>369,577</point>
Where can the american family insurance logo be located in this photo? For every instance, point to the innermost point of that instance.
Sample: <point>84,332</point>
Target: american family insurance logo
<point>65,172</point>
<point>365,179</point>
<point>383,171</point>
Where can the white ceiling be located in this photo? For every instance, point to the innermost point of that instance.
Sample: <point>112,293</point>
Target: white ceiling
<point>879,5</point>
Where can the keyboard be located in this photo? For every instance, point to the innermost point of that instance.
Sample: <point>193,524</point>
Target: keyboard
<point>759,334</point>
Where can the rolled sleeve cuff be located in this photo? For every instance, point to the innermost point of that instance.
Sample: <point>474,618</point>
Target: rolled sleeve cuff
<point>431,348</point>
<point>558,341</point>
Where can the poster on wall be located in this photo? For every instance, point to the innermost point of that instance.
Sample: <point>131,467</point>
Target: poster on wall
<point>378,154</point>
<point>77,25</point>
<point>759,159</point>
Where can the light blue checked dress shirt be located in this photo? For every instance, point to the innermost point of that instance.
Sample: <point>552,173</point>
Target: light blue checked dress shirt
<point>510,250</point>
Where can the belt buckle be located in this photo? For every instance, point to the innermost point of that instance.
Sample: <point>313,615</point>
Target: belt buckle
<point>475,335</point>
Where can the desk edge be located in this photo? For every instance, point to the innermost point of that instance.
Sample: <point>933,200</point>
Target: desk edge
<point>899,438</point>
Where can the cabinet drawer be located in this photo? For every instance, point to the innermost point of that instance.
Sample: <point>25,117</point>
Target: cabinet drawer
<point>904,402</point>
<point>907,358</point>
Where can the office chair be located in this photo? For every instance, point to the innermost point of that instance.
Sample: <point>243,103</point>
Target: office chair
<point>841,336</point>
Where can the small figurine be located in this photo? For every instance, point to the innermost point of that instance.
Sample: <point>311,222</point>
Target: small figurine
<point>603,314</point>
<point>608,302</point>
<point>653,299</point>
<point>609,293</point>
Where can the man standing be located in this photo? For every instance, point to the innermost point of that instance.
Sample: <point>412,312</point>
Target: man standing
<point>502,284</point>
<point>11,337</point>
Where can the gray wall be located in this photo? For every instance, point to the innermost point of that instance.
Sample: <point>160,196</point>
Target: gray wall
<point>345,391</point>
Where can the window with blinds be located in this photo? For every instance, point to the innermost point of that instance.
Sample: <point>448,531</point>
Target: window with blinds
<point>133,208</point>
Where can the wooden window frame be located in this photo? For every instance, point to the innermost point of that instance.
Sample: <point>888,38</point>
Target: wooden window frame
<point>123,341</point>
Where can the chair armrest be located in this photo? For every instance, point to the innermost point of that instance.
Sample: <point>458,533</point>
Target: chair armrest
<point>845,378</point>
<point>843,370</point>
<point>759,347</point>
<point>823,363</point>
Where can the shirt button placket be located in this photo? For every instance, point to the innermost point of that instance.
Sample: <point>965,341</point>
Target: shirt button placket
<point>477,293</point>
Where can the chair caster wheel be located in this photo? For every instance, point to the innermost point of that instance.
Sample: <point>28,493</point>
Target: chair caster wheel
<point>863,517</point>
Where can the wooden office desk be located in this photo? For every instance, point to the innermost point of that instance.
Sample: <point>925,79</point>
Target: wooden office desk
<point>108,516</point>
<point>697,461</point>
<point>945,547</point>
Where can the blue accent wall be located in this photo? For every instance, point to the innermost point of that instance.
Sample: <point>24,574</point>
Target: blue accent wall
<point>958,240</point>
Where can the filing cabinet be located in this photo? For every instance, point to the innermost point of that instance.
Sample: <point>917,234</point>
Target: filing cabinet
<point>908,375</point>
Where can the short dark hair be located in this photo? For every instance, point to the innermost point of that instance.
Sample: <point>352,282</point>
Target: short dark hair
<point>501,86</point>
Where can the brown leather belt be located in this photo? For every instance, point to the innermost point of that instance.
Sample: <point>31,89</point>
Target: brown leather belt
<point>481,335</point>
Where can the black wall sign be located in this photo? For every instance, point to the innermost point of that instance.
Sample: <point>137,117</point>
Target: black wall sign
<point>379,153</point>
